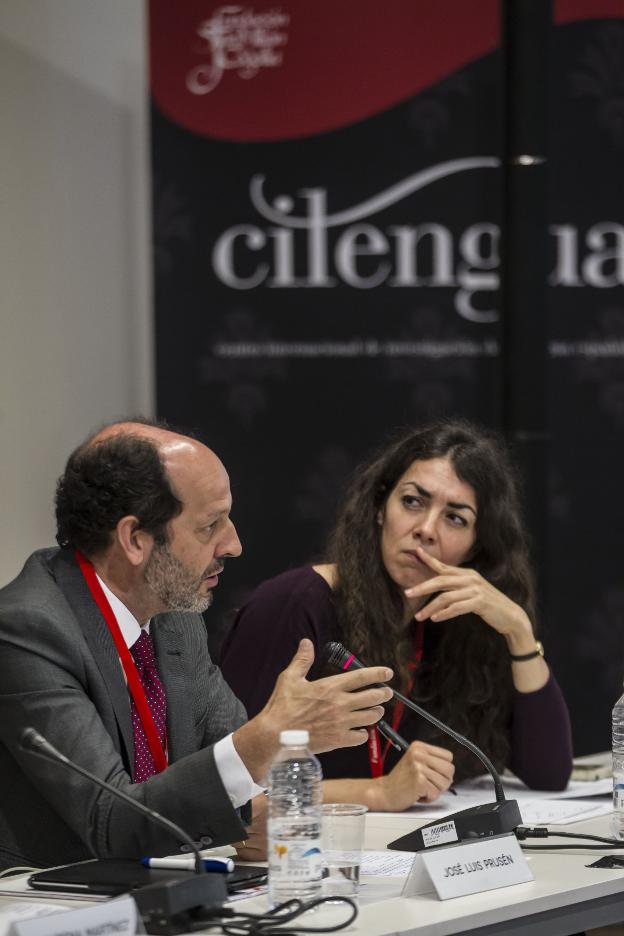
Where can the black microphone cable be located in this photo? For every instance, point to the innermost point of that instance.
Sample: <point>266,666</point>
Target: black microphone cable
<point>236,923</point>
<point>541,832</point>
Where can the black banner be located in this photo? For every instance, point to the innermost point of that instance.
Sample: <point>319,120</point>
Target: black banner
<point>327,227</point>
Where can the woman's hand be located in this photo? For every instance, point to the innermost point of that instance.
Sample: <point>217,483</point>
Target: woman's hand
<point>423,773</point>
<point>465,591</point>
<point>254,848</point>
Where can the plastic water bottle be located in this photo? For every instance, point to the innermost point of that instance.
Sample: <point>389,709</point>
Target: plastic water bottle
<point>618,768</point>
<point>294,823</point>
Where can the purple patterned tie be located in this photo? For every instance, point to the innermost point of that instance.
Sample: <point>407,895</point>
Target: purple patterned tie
<point>145,660</point>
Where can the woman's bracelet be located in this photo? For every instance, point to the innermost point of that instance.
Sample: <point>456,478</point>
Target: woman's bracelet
<point>538,652</point>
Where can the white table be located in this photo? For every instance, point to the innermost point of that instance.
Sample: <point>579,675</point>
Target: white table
<point>566,896</point>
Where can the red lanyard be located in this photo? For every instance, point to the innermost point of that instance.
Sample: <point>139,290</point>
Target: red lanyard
<point>375,756</point>
<point>131,673</point>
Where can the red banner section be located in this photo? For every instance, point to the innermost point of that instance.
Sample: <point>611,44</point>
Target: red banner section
<point>261,71</point>
<point>566,11</point>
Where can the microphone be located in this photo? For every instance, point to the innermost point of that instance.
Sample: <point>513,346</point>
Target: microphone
<point>165,906</point>
<point>488,819</point>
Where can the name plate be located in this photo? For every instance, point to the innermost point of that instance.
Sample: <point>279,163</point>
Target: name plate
<point>116,917</point>
<point>469,868</point>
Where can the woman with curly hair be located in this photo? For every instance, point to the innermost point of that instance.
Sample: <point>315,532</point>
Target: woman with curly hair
<point>428,572</point>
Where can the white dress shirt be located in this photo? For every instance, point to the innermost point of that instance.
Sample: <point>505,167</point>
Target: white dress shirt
<point>236,778</point>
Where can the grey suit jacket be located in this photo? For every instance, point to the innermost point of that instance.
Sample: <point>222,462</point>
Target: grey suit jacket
<point>60,673</point>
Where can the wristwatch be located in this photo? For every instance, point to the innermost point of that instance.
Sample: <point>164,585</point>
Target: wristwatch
<point>539,651</point>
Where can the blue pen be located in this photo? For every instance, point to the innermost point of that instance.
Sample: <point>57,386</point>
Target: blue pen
<point>184,863</point>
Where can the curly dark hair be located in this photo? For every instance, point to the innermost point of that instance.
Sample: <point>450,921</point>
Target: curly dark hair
<point>467,683</point>
<point>123,475</point>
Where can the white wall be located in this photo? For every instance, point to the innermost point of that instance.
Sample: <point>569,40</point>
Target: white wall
<point>75,318</point>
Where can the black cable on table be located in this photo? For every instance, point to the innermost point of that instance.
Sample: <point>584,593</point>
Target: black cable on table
<point>523,832</point>
<point>235,923</point>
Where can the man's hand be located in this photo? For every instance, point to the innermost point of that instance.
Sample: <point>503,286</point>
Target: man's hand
<point>334,713</point>
<point>254,848</point>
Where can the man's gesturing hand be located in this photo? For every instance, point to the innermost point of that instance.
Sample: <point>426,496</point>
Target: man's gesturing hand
<point>334,713</point>
<point>328,708</point>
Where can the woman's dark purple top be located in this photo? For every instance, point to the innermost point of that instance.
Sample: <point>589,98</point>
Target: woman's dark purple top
<point>299,604</point>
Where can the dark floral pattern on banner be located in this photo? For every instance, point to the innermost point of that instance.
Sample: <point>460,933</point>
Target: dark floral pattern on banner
<point>321,485</point>
<point>602,365</point>
<point>431,116</point>
<point>600,79</point>
<point>600,643</point>
<point>171,223</point>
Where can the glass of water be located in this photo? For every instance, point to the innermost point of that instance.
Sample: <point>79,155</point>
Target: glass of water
<point>342,837</point>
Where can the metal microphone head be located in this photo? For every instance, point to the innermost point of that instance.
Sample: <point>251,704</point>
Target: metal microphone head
<point>31,740</point>
<point>340,657</point>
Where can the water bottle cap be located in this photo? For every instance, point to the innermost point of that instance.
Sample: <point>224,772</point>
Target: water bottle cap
<point>298,738</point>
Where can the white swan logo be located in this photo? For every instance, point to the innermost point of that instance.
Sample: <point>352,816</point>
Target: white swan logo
<point>238,40</point>
<point>372,205</point>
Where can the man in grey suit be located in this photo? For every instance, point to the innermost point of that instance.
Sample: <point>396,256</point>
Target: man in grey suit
<point>147,511</point>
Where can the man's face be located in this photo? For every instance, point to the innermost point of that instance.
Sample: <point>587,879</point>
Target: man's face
<point>183,572</point>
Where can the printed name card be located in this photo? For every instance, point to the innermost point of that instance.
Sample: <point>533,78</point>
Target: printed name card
<point>469,868</point>
<point>113,918</point>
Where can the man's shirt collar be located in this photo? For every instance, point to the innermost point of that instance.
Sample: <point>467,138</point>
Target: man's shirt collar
<point>128,624</point>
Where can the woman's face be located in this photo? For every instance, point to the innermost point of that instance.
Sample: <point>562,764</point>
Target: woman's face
<point>428,507</point>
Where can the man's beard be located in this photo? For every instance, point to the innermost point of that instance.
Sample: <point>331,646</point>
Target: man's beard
<point>174,585</point>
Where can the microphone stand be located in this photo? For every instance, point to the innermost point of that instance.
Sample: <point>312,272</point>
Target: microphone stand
<point>477,822</point>
<point>165,907</point>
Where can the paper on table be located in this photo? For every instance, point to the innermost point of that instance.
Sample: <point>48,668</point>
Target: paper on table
<point>576,789</point>
<point>222,851</point>
<point>540,805</point>
<point>542,812</point>
<point>387,863</point>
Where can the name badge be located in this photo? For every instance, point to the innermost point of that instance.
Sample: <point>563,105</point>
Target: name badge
<point>469,868</point>
<point>113,918</point>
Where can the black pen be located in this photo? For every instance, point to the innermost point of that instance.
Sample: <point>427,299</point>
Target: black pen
<point>392,736</point>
